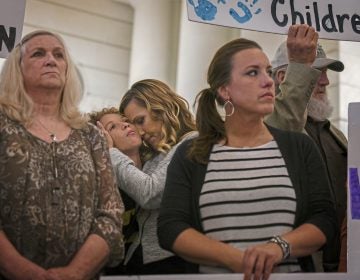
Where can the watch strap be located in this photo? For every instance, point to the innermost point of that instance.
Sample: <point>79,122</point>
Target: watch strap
<point>283,244</point>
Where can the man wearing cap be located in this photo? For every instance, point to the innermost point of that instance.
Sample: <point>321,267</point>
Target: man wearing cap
<point>302,104</point>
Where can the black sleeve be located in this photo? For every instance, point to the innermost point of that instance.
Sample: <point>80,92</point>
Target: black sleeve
<point>175,210</point>
<point>321,208</point>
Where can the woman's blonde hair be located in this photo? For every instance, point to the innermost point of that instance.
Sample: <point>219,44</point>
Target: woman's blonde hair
<point>16,103</point>
<point>164,105</point>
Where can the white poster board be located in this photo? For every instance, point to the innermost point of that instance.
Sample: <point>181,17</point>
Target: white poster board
<point>11,24</point>
<point>332,19</point>
<point>354,188</point>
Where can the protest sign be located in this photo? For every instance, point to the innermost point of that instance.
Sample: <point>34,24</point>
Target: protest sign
<point>354,159</point>
<point>11,24</point>
<point>332,19</point>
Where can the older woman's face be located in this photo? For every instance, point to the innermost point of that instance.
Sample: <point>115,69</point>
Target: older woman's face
<point>149,128</point>
<point>43,64</point>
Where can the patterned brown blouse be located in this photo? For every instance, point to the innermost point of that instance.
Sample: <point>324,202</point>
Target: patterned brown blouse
<point>53,196</point>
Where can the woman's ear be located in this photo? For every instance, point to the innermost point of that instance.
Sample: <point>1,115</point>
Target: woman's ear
<point>223,93</point>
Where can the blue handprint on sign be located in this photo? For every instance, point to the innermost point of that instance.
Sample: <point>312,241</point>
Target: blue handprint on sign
<point>247,15</point>
<point>205,9</point>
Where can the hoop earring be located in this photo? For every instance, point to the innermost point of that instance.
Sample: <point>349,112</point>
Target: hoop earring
<point>228,102</point>
<point>220,110</point>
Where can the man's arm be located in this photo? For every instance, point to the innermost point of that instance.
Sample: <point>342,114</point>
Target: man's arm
<point>299,81</point>
<point>291,103</point>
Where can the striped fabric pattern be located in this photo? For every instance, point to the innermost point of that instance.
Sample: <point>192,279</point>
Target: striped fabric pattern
<point>247,198</point>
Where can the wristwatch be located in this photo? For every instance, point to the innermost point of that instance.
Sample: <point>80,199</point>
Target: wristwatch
<point>284,245</point>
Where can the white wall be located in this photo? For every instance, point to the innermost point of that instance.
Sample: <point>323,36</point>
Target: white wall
<point>98,34</point>
<point>155,40</point>
<point>197,45</point>
<point>349,83</point>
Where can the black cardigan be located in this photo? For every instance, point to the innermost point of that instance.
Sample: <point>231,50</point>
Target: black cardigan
<point>179,209</point>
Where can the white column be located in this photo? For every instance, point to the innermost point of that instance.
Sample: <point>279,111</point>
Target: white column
<point>349,90</point>
<point>269,42</point>
<point>198,43</point>
<point>151,44</point>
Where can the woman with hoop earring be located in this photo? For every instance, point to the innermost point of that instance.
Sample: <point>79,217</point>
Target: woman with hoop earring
<point>244,196</point>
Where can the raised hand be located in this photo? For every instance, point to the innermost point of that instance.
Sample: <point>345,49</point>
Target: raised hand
<point>302,44</point>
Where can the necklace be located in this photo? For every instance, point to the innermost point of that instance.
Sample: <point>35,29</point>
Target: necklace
<point>51,133</point>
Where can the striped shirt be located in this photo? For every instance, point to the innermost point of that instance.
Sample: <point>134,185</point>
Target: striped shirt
<point>247,198</point>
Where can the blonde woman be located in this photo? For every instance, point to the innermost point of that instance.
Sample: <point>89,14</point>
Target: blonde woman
<point>60,210</point>
<point>163,120</point>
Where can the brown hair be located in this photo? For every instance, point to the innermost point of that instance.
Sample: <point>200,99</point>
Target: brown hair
<point>208,121</point>
<point>95,116</point>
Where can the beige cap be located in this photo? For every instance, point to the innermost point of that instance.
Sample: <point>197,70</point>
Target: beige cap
<point>321,61</point>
